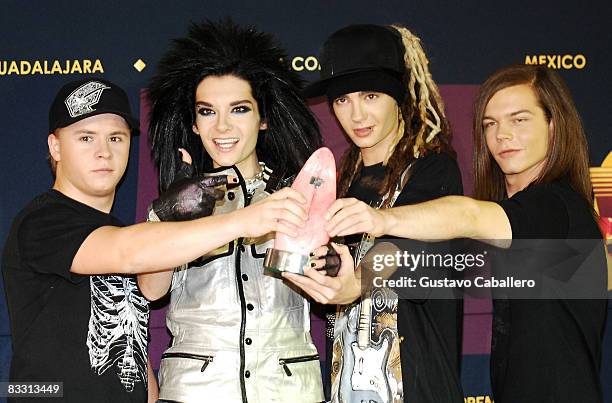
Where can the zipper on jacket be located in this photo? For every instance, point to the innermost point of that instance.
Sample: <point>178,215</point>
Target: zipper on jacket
<point>284,361</point>
<point>206,358</point>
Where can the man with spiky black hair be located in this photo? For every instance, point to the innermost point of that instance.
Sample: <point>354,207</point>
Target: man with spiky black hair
<point>218,49</point>
<point>225,102</point>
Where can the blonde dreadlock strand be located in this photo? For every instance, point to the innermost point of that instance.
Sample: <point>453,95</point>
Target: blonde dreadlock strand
<point>417,62</point>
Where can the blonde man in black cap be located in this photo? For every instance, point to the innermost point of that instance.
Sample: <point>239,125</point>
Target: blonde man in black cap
<point>77,316</point>
<point>378,83</point>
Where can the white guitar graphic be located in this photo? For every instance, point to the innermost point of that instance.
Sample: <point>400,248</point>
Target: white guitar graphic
<point>364,364</point>
<point>361,376</point>
<point>371,359</point>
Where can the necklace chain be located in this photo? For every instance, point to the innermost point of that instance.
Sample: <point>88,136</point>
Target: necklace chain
<point>258,176</point>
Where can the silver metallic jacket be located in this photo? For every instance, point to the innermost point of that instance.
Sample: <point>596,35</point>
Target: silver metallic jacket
<point>239,334</point>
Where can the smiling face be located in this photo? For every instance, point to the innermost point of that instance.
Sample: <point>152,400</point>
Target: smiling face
<point>228,122</point>
<point>517,133</point>
<point>91,157</point>
<point>371,120</point>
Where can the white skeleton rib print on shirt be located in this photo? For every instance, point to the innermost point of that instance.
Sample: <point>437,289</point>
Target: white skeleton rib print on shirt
<point>117,333</point>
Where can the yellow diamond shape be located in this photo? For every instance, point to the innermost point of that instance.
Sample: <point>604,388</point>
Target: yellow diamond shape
<point>140,65</point>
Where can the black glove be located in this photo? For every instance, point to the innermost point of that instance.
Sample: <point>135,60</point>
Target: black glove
<point>332,262</point>
<point>189,198</point>
<point>186,171</point>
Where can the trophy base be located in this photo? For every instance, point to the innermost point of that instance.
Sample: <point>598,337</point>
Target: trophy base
<point>280,261</point>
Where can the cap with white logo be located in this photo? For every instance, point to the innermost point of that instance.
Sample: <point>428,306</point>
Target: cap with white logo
<point>84,98</point>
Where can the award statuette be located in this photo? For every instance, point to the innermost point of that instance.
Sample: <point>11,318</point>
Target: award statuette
<point>317,182</point>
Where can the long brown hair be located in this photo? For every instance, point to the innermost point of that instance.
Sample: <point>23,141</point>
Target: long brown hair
<point>568,150</point>
<point>425,127</point>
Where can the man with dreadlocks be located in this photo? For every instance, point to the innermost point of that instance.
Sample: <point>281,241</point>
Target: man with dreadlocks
<point>379,86</point>
<point>224,97</point>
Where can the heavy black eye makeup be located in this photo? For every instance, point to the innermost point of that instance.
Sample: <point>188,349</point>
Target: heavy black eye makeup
<point>236,107</point>
<point>204,111</point>
<point>241,109</point>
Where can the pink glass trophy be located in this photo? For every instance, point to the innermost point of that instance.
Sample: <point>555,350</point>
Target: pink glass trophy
<point>317,182</point>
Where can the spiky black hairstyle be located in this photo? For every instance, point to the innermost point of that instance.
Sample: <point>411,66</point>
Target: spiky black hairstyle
<point>217,49</point>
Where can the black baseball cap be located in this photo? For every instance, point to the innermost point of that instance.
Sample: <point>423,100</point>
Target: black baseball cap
<point>361,57</point>
<point>88,97</point>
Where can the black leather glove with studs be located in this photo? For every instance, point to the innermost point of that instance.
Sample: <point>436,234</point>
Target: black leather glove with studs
<point>189,197</point>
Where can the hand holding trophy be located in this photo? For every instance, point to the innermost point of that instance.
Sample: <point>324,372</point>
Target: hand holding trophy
<point>317,183</point>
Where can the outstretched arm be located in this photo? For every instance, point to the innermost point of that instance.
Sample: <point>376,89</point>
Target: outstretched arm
<point>153,247</point>
<point>444,218</point>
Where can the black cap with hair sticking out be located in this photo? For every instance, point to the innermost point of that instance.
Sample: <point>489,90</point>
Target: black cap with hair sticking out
<point>361,58</point>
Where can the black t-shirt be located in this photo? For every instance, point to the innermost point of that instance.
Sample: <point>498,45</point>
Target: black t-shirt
<point>89,332</point>
<point>431,329</point>
<point>549,350</point>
